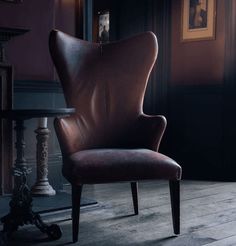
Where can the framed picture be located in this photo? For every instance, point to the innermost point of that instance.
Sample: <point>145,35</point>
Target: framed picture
<point>198,20</point>
<point>103,26</point>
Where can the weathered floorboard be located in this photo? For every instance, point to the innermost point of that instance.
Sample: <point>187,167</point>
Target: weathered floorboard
<point>208,217</point>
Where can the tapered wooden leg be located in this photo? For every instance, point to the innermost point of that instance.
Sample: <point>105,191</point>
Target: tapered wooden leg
<point>175,204</point>
<point>134,189</point>
<point>76,197</point>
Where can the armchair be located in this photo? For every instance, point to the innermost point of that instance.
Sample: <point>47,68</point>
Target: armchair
<point>110,139</point>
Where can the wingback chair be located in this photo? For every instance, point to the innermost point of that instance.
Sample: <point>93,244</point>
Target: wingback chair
<point>109,138</point>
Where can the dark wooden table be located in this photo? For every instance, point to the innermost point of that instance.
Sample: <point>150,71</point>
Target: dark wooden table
<point>21,202</point>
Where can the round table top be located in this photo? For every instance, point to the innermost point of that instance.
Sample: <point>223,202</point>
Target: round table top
<point>16,114</point>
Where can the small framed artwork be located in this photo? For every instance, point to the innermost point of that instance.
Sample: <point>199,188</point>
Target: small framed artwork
<point>103,26</point>
<point>198,20</point>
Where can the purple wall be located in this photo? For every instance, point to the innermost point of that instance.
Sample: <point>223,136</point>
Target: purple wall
<point>29,53</point>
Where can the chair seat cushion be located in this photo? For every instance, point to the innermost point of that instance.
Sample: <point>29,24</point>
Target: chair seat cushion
<point>109,165</point>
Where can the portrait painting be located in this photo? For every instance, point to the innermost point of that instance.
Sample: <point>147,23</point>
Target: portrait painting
<point>198,20</point>
<point>103,27</point>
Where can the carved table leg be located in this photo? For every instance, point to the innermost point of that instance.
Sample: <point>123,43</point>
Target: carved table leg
<point>21,203</point>
<point>42,186</point>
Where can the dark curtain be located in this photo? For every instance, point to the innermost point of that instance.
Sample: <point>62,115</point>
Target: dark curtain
<point>129,17</point>
<point>229,106</point>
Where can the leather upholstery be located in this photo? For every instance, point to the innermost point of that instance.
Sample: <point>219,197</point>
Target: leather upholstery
<point>109,138</point>
<point>111,165</point>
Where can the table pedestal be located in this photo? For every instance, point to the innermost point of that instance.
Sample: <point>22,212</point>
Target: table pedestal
<point>42,186</point>
<point>21,203</point>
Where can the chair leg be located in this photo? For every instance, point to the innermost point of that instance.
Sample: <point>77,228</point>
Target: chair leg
<point>76,196</point>
<point>134,189</point>
<point>175,204</point>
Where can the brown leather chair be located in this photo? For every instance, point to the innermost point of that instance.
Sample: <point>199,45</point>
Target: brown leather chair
<point>110,139</point>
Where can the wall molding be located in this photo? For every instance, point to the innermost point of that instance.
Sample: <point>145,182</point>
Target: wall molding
<point>39,86</point>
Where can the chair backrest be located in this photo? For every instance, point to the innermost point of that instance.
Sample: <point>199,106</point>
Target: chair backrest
<point>105,82</point>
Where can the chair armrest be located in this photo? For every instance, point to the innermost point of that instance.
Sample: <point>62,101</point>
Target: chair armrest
<point>149,130</point>
<point>68,134</point>
<point>146,132</point>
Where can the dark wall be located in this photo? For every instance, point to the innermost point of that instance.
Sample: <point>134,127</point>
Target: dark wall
<point>29,53</point>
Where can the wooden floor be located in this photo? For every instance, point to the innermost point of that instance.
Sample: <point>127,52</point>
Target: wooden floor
<point>208,217</point>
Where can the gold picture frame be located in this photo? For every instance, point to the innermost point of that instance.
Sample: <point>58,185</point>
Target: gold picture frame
<point>198,20</point>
